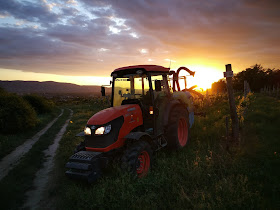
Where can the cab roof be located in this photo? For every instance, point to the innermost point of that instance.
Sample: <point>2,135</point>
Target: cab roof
<point>147,68</point>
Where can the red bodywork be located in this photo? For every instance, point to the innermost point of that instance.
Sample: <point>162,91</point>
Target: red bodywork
<point>132,118</point>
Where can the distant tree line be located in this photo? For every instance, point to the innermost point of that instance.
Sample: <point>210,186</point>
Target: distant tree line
<point>257,76</point>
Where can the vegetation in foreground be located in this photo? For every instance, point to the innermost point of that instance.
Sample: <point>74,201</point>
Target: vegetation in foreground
<point>20,179</point>
<point>210,172</point>
<point>21,118</point>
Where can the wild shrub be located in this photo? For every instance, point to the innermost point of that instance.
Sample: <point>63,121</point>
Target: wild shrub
<point>15,114</point>
<point>2,90</point>
<point>39,103</point>
<point>242,106</point>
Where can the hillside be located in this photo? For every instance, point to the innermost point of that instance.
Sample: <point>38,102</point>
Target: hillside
<point>26,87</point>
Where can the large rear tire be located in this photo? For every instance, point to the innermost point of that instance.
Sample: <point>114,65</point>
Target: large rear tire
<point>177,132</point>
<point>137,159</point>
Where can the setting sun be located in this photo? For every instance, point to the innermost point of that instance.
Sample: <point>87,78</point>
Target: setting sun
<point>204,76</point>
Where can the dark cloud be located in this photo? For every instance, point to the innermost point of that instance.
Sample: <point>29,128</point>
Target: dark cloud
<point>68,11</point>
<point>70,36</point>
<point>35,12</point>
<point>29,43</point>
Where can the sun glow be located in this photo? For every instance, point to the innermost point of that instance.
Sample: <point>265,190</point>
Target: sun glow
<point>6,74</point>
<point>203,78</point>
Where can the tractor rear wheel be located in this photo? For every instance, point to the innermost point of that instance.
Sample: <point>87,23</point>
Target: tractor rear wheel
<point>137,159</point>
<point>177,132</point>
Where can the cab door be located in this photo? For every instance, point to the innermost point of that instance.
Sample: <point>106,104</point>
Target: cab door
<point>161,97</point>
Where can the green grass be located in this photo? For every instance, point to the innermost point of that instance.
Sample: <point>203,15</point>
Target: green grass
<point>20,179</point>
<point>208,173</point>
<point>260,150</point>
<point>8,142</point>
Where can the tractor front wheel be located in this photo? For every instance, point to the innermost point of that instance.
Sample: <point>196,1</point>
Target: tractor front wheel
<point>137,159</point>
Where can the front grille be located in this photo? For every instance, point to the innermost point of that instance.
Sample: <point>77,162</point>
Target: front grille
<point>102,141</point>
<point>84,155</point>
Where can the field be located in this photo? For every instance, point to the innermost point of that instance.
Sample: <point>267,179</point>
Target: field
<point>210,172</point>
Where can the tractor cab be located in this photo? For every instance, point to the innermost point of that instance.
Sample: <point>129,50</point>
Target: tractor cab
<point>145,85</point>
<point>146,114</point>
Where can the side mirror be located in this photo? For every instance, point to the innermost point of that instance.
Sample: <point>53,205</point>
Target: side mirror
<point>102,91</point>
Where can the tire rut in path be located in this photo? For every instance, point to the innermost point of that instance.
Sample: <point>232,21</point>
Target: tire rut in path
<point>12,159</point>
<point>42,176</point>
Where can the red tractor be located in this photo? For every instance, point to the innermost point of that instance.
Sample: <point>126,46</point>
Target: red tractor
<point>146,114</point>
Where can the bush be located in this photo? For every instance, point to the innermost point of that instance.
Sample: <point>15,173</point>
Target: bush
<point>15,114</point>
<point>2,90</point>
<point>39,103</point>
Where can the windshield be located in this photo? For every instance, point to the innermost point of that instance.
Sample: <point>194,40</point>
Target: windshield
<point>130,87</point>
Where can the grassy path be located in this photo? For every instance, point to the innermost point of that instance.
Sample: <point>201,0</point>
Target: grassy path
<point>11,160</point>
<point>20,179</point>
<point>42,176</point>
<point>8,142</point>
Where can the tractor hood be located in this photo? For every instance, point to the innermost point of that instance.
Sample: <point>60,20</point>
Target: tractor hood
<point>109,114</point>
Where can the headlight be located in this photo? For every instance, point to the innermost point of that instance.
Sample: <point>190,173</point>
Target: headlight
<point>103,130</point>
<point>87,131</point>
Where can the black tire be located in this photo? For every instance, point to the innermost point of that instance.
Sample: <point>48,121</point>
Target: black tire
<point>178,128</point>
<point>137,159</point>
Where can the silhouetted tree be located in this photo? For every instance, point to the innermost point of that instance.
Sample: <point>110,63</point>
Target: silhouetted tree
<point>257,77</point>
<point>219,86</point>
<point>273,77</point>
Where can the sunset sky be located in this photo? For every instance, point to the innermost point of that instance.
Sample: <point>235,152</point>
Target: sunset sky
<point>83,41</point>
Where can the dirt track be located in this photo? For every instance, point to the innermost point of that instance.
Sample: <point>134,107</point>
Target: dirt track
<point>42,176</point>
<point>11,160</point>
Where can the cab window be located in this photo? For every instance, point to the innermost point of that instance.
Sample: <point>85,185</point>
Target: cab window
<point>130,87</point>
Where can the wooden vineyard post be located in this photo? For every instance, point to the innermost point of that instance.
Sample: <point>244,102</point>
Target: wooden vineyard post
<point>246,88</point>
<point>234,118</point>
<point>227,133</point>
